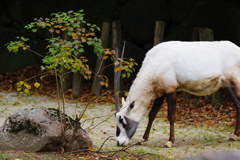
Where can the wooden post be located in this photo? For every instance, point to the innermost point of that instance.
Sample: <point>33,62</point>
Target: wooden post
<point>206,34</point>
<point>195,37</point>
<point>159,32</point>
<point>66,75</point>
<point>105,34</point>
<point>67,79</point>
<point>77,77</point>
<point>116,32</point>
<point>195,34</point>
<point>77,81</point>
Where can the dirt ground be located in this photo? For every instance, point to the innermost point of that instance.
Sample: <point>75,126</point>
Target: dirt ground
<point>190,140</point>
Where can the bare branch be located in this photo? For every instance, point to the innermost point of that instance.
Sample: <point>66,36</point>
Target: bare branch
<point>84,110</point>
<point>104,143</point>
<point>99,123</point>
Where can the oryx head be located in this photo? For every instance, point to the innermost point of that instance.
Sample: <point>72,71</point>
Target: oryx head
<point>125,126</point>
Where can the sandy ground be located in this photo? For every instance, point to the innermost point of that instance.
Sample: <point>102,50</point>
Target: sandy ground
<point>190,141</point>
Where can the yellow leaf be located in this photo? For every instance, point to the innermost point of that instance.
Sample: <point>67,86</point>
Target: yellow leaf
<point>116,63</point>
<point>28,86</point>
<point>91,131</point>
<point>74,34</point>
<point>26,90</point>
<point>36,84</point>
<point>105,57</point>
<point>106,84</point>
<point>84,116</point>
<point>21,83</point>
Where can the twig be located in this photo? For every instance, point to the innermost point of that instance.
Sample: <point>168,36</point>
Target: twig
<point>91,119</point>
<point>104,143</point>
<point>115,151</point>
<point>125,148</point>
<point>90,103</point>
<point>35,52</point>
<point>100,123</point>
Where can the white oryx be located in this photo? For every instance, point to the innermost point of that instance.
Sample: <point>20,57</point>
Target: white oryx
<point>199,68</point>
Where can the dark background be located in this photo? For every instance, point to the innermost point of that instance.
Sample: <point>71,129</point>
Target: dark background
<point>137,18</point>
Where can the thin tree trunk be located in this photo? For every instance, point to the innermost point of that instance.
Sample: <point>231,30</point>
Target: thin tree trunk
<point>116,32</point>
<point>105,34</point>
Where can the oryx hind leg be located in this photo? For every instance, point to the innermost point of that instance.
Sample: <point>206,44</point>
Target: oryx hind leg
<point>233,92</point>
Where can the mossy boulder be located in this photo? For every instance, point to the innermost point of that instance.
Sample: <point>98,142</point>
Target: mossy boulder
<point>41,130</point>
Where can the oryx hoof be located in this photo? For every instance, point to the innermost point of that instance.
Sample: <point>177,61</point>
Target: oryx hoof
<point>168,144</point>
<point>141,142</point>
<point>233,138</point>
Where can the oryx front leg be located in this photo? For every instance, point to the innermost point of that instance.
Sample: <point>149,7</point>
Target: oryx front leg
<point>152,115</point>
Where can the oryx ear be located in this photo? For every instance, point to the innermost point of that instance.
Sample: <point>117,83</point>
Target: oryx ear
<point>131,106</point>
<point>123,102</point>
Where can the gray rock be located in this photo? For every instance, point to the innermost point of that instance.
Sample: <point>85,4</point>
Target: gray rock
<point>40,129</point>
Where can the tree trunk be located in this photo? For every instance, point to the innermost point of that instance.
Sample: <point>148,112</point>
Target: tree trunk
<point>116,32</point>
<point>100,64</point>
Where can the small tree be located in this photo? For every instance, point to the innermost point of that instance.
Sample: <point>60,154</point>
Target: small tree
<point>68,36</point>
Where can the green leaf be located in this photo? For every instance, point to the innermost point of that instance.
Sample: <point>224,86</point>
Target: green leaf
<point>123,75</point>
<point>80,50</point>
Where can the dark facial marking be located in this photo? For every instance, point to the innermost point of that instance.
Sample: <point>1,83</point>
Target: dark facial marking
<point>118,131</point>
<point>130,127</point>
<point>120,120</point>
